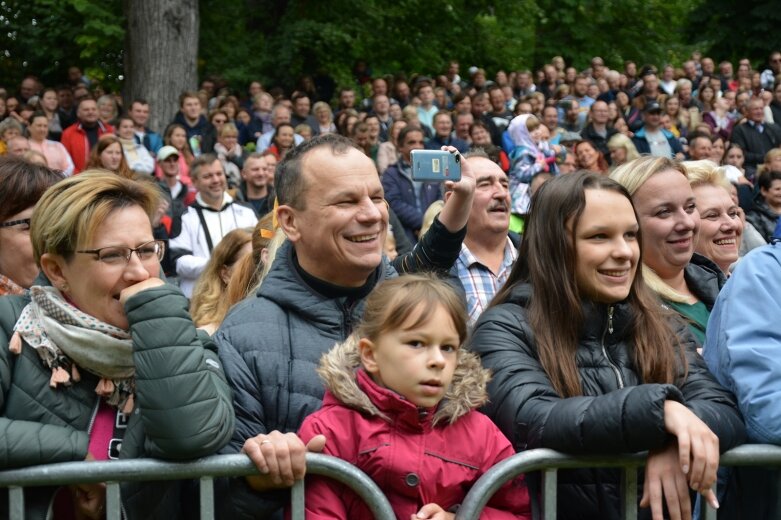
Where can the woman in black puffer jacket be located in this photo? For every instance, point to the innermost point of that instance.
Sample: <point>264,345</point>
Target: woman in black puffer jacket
<point>586,362</point>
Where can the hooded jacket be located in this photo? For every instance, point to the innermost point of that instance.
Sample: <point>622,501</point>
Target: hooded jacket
<point>417,456</point>
<point>616,413</point>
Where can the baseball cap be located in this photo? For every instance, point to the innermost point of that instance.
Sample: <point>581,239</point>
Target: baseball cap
<point>166,152</point>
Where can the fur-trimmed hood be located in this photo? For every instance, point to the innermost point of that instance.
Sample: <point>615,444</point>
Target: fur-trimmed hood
<point>338,370</point>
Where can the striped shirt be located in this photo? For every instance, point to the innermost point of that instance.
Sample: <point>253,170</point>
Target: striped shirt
<point>480,283</point>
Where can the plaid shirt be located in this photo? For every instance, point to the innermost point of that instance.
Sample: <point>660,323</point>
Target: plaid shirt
<point>480,283</point>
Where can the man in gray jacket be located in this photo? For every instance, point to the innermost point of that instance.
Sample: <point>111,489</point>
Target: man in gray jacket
<point>333,211</point>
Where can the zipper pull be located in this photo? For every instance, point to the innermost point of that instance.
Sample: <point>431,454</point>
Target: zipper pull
<point>610,319</point>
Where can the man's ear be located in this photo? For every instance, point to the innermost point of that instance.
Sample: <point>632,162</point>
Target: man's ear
<point>53,267</point>
<point>289,221</point>
<point>366,350</point>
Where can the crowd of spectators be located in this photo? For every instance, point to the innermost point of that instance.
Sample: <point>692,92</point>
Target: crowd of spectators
<point>584,250</point>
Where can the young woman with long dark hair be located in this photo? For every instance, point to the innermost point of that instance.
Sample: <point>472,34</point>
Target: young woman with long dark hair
<point>586,361</point>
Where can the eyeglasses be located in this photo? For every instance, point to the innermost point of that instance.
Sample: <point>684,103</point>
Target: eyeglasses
<point>120,256</point>
<point>20,222</point>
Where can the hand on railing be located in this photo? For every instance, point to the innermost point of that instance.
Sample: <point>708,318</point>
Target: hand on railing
<point>280,457</point>
<point>698,447</point>
<point>89,500</point>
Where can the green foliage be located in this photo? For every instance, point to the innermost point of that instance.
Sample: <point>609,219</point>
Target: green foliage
<point>734,30</point>
<point>278,42</point>
<point>45,37</point>
<point>647,31</point>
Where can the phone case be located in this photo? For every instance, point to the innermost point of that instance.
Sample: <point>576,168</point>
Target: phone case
<point>435,166</point>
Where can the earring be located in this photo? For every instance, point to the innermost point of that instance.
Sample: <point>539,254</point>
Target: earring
<point>64,287</point>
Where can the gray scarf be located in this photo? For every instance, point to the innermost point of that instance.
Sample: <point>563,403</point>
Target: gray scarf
<point>64,337</point>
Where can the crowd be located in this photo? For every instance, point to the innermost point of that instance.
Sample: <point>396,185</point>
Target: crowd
<point>265,276</point>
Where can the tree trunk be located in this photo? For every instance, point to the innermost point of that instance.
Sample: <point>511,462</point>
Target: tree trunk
<point>161,53</point>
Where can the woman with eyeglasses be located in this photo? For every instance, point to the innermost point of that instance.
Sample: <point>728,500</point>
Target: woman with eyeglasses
<point>21,185</point>
<point>102,354</point>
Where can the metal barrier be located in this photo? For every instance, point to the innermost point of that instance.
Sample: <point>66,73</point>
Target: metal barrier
<point>113,472</point>
<point>550,461</point>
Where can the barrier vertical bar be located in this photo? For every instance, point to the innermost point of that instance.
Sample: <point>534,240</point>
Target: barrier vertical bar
<point>206,488</point>
<point>550,481</point>
<point>16,503</point>
<point>113,503</point>
<point>706,511</point>
<point>297,501</point>
<point>629,493</point>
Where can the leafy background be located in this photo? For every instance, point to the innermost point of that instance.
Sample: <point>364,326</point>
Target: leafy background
<point>278,41</point>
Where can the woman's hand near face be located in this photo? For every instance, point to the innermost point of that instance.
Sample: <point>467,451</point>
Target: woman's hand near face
<point>698,447</point>
<point>127,292</point>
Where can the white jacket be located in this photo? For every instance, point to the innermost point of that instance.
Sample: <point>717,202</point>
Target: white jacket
<point>191,246</point>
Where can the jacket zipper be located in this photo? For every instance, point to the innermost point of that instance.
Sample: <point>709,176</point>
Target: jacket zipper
<point>609,328</point>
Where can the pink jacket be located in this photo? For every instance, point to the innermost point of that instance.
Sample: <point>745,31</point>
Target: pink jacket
<point>415,456</point>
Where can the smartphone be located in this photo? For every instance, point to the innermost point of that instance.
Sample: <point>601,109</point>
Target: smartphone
<point>435,166</point>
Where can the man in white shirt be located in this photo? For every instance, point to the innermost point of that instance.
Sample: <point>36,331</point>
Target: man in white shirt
<point>212,216</point>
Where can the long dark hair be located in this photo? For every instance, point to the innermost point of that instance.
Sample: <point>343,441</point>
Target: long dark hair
<point>546,261</point>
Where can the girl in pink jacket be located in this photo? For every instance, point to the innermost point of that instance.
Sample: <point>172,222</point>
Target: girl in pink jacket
<point>400,405</point>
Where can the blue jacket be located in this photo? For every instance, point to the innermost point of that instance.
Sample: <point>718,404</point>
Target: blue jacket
<point>400,194</point>
<point>436,143</point>
<point>641,143</point>
<point>743,344</point>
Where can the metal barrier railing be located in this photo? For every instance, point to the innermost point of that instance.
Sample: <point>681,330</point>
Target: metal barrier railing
<point>204,470</point>
<point>550,461</point>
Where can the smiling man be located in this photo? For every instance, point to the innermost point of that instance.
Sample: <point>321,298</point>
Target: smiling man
<point>212,216</point>
<point>333,212</point>
<point>487,254</point>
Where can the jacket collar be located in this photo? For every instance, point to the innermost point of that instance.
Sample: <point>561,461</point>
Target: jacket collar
<point>227,200</point>
<point>340,369</point>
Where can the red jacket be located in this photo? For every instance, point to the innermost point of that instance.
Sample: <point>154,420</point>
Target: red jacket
<point>74,138</point>
<point>415,456</point>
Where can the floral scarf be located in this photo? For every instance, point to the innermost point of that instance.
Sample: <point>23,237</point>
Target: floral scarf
<point>65,338</point>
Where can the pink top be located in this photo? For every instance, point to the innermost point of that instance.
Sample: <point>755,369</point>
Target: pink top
<point>102,431</point>
<point>56,155</point>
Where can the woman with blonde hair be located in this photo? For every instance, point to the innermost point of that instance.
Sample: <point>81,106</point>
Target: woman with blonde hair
<point>622,150</point>
<point>687,282</point>
<point>721,221</point>
<point>100,391</point>
<point>248,272</point>
<point>325,118</point>
<point>209,305</point>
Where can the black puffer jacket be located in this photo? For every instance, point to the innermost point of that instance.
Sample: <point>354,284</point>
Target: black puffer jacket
<point>762,218</point>
<point>704,279</point>
<point>616,414</point>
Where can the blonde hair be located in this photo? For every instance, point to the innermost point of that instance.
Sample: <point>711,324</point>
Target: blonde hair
<point>428,217</point>
<point>705,172</point>
<point>631,176</point>
<point>229,129</point>
<point>209,304</point>
<point>70,212</point>
<point>246,274</point>
<point>620,140</point>
<point>769,156</point>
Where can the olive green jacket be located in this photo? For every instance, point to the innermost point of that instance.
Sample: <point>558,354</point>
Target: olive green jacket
<point>183,404</point>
